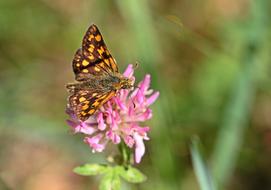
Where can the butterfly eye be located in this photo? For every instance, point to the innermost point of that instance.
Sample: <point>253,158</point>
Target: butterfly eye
<point>126,83</point>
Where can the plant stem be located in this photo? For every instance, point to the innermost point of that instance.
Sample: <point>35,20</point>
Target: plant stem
<point>125,154</point>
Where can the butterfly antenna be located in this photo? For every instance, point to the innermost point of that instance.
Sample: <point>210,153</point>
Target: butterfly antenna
<point>136,65</point>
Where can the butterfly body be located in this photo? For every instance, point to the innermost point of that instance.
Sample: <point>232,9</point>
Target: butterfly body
<point>96,72</point>
<point>106,83</point>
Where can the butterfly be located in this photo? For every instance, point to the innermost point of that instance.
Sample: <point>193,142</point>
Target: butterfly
<point>97,75</point>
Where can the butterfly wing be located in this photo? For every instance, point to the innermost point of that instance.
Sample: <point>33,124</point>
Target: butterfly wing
<point>93,59</point>
<point>84,103</point>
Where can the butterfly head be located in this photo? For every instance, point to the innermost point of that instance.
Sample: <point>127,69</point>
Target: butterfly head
<point>121,82</point>
<point>126,83</point>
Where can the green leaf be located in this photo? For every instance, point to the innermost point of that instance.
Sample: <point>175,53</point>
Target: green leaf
<point>110,181</point>
<point>131,174</point>
<point>202,173</point>
<point>90,169</point>
<point>115,182</point>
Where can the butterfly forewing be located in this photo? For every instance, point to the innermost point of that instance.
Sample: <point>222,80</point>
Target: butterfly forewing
<point>82,68</point>
<point>93,58</point>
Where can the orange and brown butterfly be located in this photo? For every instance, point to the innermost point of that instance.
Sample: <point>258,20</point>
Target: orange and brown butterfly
<point>97,76</point>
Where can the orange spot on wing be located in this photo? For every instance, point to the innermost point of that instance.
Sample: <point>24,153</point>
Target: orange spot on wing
<point>90,37</point>
<point>85,62</point>
<point>98,38</point>
<point>85,71</point>
<point>91,57</point>
<point>100,51</point>
<point>102,64</point>
<point>112,60</point>
<point>91,49</point>
<point>83,113</point>
<point>91,111</point>
<point>107,97</point>
<point>97,69</point>
<point>82,99</point>
<point>84,107</point>
<point>96,104</point>
<point>106,61</point>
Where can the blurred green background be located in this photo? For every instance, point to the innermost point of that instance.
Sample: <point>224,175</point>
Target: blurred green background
<point>210,60</point>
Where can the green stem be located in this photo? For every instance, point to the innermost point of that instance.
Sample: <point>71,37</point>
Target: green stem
<point>125,154</point>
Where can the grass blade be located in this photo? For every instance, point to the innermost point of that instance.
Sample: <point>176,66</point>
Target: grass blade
<point>202,173</point>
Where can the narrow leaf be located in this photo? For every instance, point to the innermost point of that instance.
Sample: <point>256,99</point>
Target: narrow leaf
<point>203,176</point>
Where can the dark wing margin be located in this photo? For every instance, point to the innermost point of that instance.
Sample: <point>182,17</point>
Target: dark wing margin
<point>93,58</point>
<point>85,103</point>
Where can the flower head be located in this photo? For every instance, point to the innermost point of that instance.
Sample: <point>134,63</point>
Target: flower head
<point>119,119</point>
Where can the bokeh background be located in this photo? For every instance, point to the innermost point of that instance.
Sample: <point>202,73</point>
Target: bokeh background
<point>210,60</point>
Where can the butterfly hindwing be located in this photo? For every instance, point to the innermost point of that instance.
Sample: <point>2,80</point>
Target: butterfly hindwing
<point>85,102</point>
<point>93,58</point>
